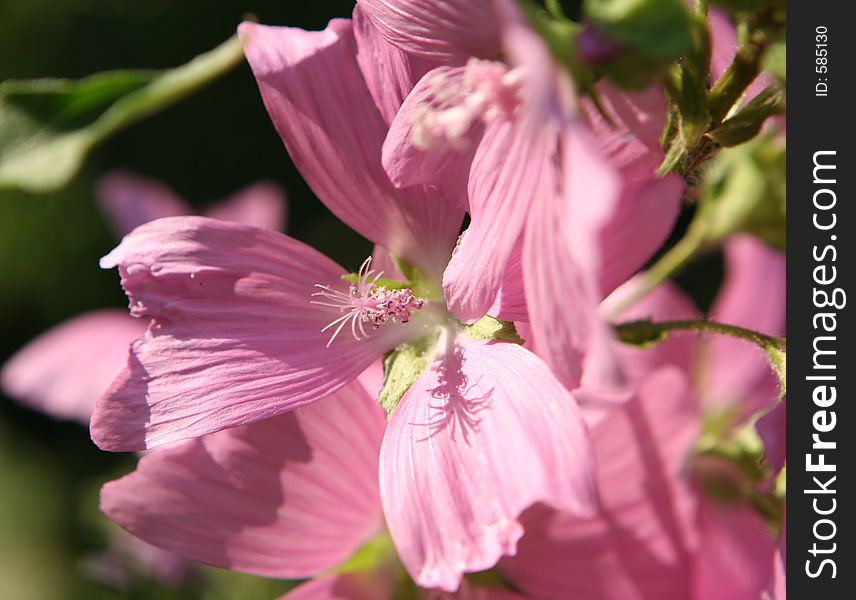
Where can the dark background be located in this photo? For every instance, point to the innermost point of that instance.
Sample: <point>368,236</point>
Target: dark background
<point>207,147</point>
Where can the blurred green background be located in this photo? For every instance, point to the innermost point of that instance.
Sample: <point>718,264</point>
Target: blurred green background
<point>208,146</point>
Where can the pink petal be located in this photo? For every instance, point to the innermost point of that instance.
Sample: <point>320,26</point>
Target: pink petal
<point>641,224</point>
<point>390,73</point>
<point>648,206</point>
<point>779,583</point>
<point>468,591</point>
<point>640,546</point>
<point>63,371</point>
<point>560,261</point>
<point>632,139</point>
<point>449,30</point>
<point>506,166</point>
<point>444,166</point>
<point>129,200</point>
<point>735,561</point>
<point>261,205</point>
<point>367,585</point>
<point>666,302</point>
<point>383,262</point>
<point>753,296</point>
<point>771,428</point>
<point>513,168</point>
<point>286,497</point>
<point>510,302</point>
<point>624,246</point>
<point>372,379</point>
<point>314,90</point>
<point>479,437</point>
<point>235,336</point>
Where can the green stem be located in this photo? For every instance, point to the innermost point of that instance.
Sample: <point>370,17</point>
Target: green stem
<point>668,265</point>
<point>170,87</point>
<point>646,332</point>
<point>760,339</point>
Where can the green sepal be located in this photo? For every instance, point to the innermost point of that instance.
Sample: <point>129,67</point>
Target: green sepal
<point>747,122</point>
<point>401,367</point>
<point>742,450</point>
<point>48,126</point>
<point>488,328</point>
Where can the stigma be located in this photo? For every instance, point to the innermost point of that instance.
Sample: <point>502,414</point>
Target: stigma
<point>484,91</point>
<point>366,306</point>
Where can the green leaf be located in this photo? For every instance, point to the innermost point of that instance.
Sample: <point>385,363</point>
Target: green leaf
<point>659,28</point>
<point>48,126</point>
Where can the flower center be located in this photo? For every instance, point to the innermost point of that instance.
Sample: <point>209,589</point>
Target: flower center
<point>484,91</point>
<point>366,306</point>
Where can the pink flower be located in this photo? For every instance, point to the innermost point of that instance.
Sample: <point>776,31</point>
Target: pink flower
<point>555,194</point>
<point>440,29</point>
<point>63,371</point>
<point>445,30</point>
<point>289,496</point>
<point>248,324</point>
<point>658,534</point>
<point>292,496</point>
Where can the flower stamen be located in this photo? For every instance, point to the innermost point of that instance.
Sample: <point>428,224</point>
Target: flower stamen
<point>365,303</point>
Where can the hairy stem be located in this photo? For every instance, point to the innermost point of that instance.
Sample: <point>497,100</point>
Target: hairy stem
<point>648,332</point>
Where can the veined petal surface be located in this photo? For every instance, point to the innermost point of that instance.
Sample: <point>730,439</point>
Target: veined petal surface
<point>641,545</point>
<point>235,336</point>
<point>318,99</point>
<point>484,433</point>
<point>287,497</point>
<point>449,30</point>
